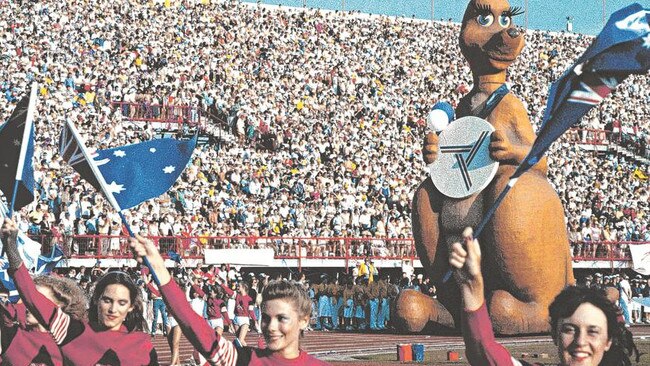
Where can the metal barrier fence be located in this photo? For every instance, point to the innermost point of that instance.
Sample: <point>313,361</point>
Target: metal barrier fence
<point>166,116</point>
<point>99,246</point>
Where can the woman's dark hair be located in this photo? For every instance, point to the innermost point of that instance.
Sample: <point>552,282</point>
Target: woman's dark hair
<point>566,303</point>
<point>134,319</point>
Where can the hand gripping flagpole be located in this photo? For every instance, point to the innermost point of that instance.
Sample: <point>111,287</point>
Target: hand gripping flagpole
<point>108,194</point>
<point>27,133</point>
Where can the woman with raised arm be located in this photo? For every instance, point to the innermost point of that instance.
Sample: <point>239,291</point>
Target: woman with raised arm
<point>113,333</point>
<point>286,309</point>
<point>583,321</point>
<point>24,340</point>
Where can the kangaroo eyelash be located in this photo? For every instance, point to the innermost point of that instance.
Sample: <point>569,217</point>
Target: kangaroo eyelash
<point>482,8</point>
<point>513,11</point>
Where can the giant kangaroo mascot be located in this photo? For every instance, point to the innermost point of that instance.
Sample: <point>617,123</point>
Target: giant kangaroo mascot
<point>525,248</point>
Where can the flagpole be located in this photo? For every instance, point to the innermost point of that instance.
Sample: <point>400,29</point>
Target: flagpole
<point>109,196</point>
<point>27,132</point>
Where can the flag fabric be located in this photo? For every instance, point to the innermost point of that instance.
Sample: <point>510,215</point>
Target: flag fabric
<point>640,258</point>
<point>128,175</point>
<point>29,251</point>
<point>622,48</point>
<point>174,256</point>
<point>46,264</point>
<point>17,141</point>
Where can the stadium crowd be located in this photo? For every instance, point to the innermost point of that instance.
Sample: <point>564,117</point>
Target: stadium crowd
<point>318,118</point>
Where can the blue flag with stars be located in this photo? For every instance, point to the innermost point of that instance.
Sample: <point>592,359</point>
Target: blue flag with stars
<point>138,172</point>
<point>622,48</point>
<point>131,174</point>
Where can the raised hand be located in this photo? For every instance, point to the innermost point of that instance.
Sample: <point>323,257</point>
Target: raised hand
<point>141,247</point>
<point>9,232</point>
<point>465,259</point>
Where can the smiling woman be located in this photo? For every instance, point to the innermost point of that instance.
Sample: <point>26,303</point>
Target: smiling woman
<point>286,310</point>
<point>112,336</point>
<point>583,321</point>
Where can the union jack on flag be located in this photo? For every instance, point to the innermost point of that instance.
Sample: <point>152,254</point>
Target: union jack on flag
<point>593,89</point>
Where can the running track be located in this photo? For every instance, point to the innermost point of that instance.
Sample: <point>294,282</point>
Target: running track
<point>340,345</point>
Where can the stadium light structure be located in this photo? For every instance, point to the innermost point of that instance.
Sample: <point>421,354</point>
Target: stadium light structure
<point>526,13</point>
<point>432,12</point>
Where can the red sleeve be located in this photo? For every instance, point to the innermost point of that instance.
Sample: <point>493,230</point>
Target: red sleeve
<point>224,313</point>
<point>228,291</point>
<point>8,314</point>
<point>44,310</point>
<point>481,347</point>
<point>217,350</point>
<point>251,308</point>
<point>154,291</point>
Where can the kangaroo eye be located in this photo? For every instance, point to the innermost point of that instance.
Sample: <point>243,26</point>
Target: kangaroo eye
<point>485,20</point>
<point>505,20</point>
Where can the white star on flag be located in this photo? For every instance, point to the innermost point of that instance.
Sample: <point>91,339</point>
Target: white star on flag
<point>153,149</point>
<point>119,153</point>
<point>115,188</point>
<point>646,41</point>
<point>16,142</point>
<point>169,169</point>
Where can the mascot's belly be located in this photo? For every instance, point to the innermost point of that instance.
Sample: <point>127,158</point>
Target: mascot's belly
<point>457,214</point>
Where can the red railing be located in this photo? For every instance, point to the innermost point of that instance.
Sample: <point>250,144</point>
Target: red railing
<point>98,246</point>
<point>592,136</point>
<point>603,250</point>
<point>169,116</point>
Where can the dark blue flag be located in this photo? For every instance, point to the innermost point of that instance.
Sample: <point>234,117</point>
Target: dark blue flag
<point>622,48</point>
<point>128,175</point>
<point>46,264</point>
<point>174,256</point>
<point>17,141</point>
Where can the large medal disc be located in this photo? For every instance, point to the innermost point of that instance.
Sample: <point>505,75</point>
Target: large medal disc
<point>464,166</point>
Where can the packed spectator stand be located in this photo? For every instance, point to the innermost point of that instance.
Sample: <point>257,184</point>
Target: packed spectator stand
<point>313,122</point>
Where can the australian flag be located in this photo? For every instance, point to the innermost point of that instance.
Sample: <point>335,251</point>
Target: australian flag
<point>17,141</point>
<point>622,48</point>
<point>128,175</point>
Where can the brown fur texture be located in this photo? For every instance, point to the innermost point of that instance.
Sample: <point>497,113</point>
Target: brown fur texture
<point>526,260</point>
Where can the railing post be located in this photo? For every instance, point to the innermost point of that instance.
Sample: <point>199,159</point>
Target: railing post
<point>346,246</point>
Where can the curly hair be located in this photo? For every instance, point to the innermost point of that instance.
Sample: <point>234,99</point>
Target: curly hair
<point>68,295</point>
<point>566,303</point>
<point>134,320</point>
<point>289,290</point>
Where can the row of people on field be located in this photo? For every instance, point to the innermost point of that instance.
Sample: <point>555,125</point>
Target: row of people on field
<point>57,329</point>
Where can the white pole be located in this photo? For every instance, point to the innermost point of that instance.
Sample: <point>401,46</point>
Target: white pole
<point>27,133</point>
<point>432,12</point>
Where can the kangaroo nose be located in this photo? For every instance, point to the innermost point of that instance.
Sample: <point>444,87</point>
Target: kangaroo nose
<point>513,32</point>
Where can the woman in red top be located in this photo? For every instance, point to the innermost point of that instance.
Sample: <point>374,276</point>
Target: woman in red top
<point>217,311</point>
<point>244,312</point>
<point>583,321</point>
<point>286,312</point>
<point>113,334</point>
<point>24,340</point>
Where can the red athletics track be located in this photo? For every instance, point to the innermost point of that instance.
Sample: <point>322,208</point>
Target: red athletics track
<point>337,345</point>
